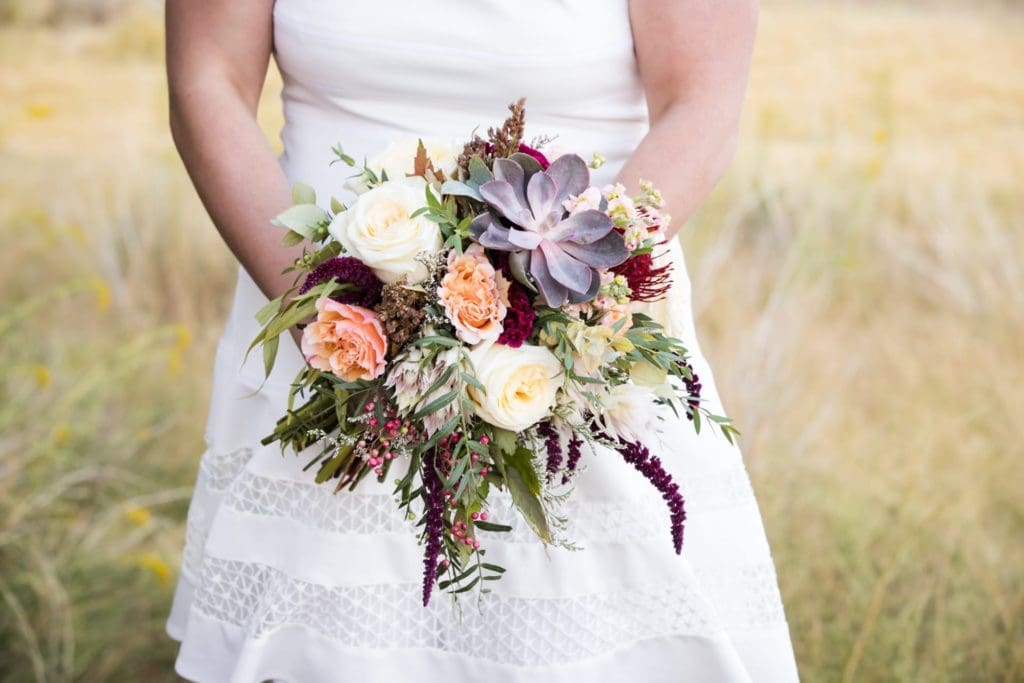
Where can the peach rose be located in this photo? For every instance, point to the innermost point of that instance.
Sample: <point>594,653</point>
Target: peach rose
<point>474,295</point>
<point>345,340</point>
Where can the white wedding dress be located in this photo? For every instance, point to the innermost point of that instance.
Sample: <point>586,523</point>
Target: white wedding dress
<point>282,580</point>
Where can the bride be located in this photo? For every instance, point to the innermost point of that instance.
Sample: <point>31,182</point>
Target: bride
<point>282,580</point>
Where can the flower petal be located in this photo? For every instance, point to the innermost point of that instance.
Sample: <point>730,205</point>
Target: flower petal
<point>583,227</point>
<point>525,239</point>
<point>486,230</point>
<point>565,269</point>
<point>570,174</point>
<point>502,196</point>
<point>551,291</point>
<point>480,224</point>
<point>607,252</point>
<point>514,175</point>
<point>541,193</point>
<point>595,285</point>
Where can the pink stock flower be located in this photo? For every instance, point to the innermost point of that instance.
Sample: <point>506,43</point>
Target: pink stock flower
<point>345,340</point>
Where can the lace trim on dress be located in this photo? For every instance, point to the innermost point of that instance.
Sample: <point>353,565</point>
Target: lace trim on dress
<point>220,469</point>
<point>504,629</point>
<point>316,505</point>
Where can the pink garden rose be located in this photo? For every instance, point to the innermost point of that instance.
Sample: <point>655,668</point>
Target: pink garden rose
<point>474,296</point>
<point>346,340</point>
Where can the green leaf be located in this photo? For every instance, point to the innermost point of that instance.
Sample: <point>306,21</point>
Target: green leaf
<point>303,193</point>
<point>270,354</point>
<point>291,238</point>
<point>340,153</point>
<point>446,429</point>
<point>460,189</point>
<point>491,526</point>
<point>435,405</point>
<point>505,440</point>
<point>439,382</point>
<point>529,504</point>
<point>292,315</point>
<point>267,312</point>
<point>336,206</point>
<point>522,462</point>
<point>473,382</point>
<point>435,339</point>
<point>478,171</point>
<point>456,579</point>
<point>330,467</point>
<point>469,585</point>
<point>302,218</point>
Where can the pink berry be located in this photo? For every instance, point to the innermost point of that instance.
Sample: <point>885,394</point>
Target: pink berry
<point>475,515</point>
<point>483,516</point>
<point>476,545</point>
<point>485,439</point>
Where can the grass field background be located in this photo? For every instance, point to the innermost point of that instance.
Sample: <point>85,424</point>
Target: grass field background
<point>859,287</point>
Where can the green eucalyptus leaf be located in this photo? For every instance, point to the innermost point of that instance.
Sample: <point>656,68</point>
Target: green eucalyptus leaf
<point>460,189</point>
<point>478,171</point>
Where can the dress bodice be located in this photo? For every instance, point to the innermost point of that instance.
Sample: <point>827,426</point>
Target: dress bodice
<point>365,72</point>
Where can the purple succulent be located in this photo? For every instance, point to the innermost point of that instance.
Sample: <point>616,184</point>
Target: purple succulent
<point>561,252</point>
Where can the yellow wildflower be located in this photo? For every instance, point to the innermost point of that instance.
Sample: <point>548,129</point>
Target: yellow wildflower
<point>158,567</point>
<point>43,376</point>
<point>137,515</point>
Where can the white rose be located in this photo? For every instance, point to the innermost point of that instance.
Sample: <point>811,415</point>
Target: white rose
<point>628,411</point>
<point>398,160</point>
<point>380,231</point>
<point>521,384</point>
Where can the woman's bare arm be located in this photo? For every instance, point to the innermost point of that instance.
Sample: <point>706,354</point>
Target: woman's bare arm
<point>694,59</point>
<point>217,57</point>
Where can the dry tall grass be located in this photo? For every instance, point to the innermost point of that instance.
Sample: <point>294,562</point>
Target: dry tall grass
<point>860,292</point>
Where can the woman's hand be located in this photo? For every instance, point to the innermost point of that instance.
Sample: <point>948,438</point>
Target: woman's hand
<point>694,59</point>
<point>217,57</point>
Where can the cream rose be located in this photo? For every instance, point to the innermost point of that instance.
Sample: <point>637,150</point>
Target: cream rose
<point>521,384</point>
<point>380,231</point>
<point>398,159</point>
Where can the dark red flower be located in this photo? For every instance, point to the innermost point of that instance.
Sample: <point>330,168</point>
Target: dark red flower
<point>529,151</point>
<point>650,466</point>
<point>519,318</point>
<point>347,270</point>
<point>536,154</point>
<point>647,281</point>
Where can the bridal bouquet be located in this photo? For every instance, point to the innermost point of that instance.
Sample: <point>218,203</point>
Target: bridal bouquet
<point>467,326</point>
